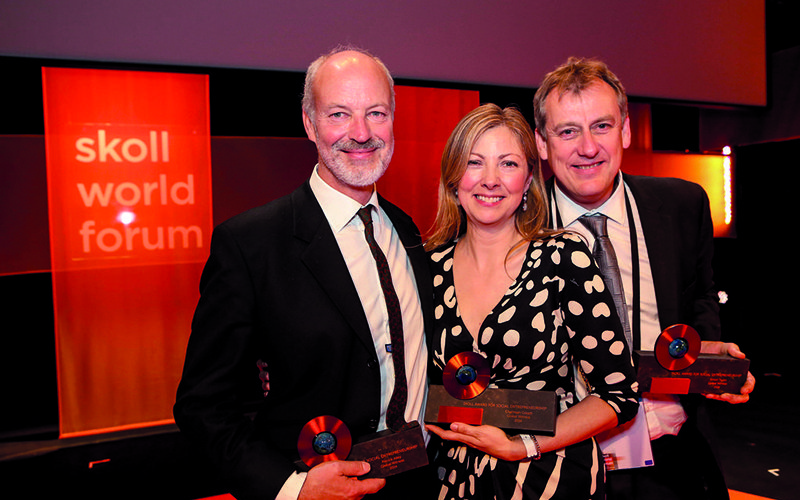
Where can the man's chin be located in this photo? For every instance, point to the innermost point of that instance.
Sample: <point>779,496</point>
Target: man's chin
<point>364,174</point>
<point>365,181</point>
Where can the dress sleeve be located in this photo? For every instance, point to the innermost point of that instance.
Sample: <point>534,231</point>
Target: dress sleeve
<point>597,343</point>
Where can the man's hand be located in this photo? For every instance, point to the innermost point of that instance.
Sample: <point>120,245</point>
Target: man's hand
<point>339,480</point>
<point>709,347</point>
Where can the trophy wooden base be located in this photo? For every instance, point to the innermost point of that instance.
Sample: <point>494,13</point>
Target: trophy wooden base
<point>708,374</point>
<point>388,452</point>
<point>510,409</point>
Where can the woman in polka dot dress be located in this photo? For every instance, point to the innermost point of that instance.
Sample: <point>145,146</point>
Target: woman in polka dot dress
<point>532,302</point>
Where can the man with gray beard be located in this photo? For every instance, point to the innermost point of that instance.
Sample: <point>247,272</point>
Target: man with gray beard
<point>291,290</point>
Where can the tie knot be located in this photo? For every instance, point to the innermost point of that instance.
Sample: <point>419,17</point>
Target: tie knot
<point>365,214</point>
<point>596,223</point>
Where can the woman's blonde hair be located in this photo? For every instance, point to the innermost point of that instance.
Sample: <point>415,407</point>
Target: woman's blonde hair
<point>450,218</point>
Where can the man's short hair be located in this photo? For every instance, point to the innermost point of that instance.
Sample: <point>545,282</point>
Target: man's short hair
<point>575,76</point>
<point>309,98</point>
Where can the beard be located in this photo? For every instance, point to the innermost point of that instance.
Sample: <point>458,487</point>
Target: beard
<point>356,172</point>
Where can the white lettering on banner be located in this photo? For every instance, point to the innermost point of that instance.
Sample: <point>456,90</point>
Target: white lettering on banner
<point>129,194</point>
<point>133,149</point>
<point>107,148</point>
<point>111,239</point>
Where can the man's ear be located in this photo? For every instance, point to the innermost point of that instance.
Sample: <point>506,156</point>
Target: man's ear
<point>541,144</point>
<point>308,124</point>
<point>626,132</point>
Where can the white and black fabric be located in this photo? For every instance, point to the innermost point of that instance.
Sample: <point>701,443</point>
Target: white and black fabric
<point>557,310</point>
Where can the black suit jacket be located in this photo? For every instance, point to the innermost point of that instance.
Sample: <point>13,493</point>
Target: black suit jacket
<point>276,289</point>
<point>679,233</point>
<point>676,220</point>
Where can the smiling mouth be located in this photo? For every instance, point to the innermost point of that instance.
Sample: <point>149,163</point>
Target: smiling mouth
<point>356,148</point>
<point>588,167</point>
<point>359,152</point>
<point>488,199</point>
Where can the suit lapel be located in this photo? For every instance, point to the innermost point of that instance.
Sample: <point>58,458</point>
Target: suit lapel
<point>325,262</point>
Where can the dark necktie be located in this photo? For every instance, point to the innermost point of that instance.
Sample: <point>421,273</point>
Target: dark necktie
<point>603,252</point>
<point>395,418</point>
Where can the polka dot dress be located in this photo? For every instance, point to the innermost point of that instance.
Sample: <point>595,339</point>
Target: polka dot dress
<point>556,313</point>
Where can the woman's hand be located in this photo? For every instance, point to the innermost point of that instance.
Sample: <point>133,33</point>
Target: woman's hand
<point>582,421</point>
<point>486,438</point>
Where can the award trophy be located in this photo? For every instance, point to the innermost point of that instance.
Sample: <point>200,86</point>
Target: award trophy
<point>465,396</point>
<point>676,366</point>
<point>388,452</point>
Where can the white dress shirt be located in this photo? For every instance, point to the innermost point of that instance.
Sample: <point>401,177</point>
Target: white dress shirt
<point>665,415</point>
<point>340,211</point>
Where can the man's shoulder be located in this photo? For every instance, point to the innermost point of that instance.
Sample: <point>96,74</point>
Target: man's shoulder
<point>661,184</point>
<point>277,213</point>
<point>403,222</point>
<point>395,212</point>
<point>684,202</point>
<point>669,190</point>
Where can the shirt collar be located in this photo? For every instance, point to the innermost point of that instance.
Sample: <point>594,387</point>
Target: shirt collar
<point>613,208</point>
<point>339,208</point>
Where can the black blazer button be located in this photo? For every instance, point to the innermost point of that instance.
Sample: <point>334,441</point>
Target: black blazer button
<point>372,364</point>
<point>373,424</point>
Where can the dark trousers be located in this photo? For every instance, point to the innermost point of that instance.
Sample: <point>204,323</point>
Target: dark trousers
<point>685,469</point>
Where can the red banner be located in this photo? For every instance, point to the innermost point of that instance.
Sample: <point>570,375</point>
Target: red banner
<point>412,180</point>
<point>129,190</point>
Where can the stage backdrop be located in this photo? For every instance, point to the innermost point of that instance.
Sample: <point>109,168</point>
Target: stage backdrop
<point>424,119</point>
<point>130,209</point>
<point>129,190</point>
<point>130,217</point>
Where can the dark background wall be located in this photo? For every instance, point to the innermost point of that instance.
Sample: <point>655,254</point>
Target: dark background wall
<point>683,49</point>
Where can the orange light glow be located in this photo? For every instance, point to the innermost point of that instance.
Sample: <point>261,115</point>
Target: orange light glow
<point>713,172</point>
<point>726,179</point>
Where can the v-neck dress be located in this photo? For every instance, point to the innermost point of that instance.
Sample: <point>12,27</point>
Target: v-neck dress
<point>557,314</point>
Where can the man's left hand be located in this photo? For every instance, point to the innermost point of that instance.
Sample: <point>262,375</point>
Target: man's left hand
<point>712,347</point>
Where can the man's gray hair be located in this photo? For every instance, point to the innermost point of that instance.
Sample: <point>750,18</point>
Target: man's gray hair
<point>309,99</point>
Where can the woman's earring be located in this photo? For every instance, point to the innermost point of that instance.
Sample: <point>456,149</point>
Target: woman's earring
<point>525,201</point>
<point>455,193</point>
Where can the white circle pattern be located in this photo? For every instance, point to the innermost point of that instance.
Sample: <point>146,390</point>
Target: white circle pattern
<point>557,313</point>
